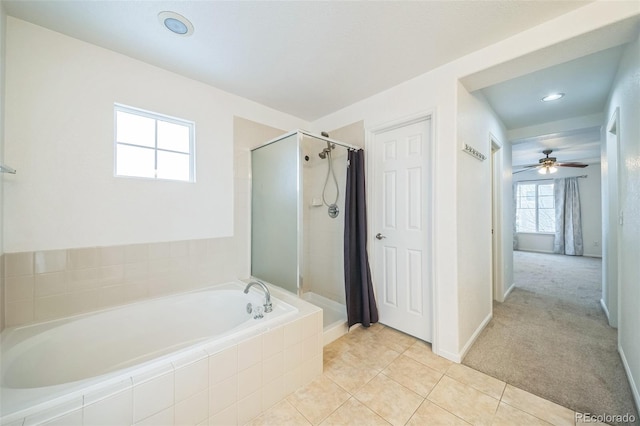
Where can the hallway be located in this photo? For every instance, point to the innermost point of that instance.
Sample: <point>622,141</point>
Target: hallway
<point>551,338</point>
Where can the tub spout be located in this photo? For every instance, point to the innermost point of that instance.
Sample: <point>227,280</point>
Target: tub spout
<point>268,307</point>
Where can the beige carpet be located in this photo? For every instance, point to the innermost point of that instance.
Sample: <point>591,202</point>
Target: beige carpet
<point>551,338</point>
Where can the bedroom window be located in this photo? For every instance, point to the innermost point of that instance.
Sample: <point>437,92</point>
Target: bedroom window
<point>155,146</point>
<point>535,207</point>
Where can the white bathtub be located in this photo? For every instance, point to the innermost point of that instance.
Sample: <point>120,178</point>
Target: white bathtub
<point>61,362</point>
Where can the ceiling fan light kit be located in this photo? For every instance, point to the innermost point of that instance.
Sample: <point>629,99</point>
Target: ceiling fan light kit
<point>548,165</point>
<point>547,169</point>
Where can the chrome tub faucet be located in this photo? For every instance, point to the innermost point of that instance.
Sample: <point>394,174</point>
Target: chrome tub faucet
<point>268,307</point>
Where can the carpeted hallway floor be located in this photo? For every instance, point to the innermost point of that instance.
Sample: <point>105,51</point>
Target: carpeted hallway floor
<point>551,338</point>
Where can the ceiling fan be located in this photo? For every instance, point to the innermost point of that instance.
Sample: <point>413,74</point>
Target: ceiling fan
<point>548,164</point>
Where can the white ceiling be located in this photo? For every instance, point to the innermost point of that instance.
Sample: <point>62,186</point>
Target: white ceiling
<point>304,58</point>
<point>571,125</point>
<point>585,81</point>
<point>581,145</point>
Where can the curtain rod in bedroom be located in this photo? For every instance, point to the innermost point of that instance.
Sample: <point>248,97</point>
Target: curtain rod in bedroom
<point>536,180</point>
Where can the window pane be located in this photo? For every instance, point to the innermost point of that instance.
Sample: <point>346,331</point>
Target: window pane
<point>546,189</point>
<point>526,190</point>
<point>173,166</point>
<point>546,202</point>
<point>546,220</point>
<point>526,220</point>
<point>532,198</point>
<point>135,161</point>
<point>135,129</point>
<point>174,137</point>
<point>528,202</point>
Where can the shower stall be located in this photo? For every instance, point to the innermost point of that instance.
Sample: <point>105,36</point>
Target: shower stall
<point>297,220</point>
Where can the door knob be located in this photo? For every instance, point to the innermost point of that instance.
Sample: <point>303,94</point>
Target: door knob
<point>380,236</point>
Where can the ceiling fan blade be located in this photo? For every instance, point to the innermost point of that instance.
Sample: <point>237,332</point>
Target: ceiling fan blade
<point>526,169</point>
<point>580,165</point>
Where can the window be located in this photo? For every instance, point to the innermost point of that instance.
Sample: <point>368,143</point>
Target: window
<point>535,207</point>
<point>150,145</point>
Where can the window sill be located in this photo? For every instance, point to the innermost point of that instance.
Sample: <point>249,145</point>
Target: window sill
<point>536,233</point>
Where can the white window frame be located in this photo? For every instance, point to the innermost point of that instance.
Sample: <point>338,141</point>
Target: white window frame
<point>157,117</point>
<point>537,183</point>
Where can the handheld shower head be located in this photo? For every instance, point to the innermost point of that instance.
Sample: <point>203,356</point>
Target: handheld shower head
<point>323,154</point>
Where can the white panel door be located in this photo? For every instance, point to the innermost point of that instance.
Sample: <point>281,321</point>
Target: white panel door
<point>402,217</point>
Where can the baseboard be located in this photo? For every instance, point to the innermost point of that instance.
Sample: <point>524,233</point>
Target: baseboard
<point>450,356</point>
<point>632,382</point>
<point>536,251</point>
<point>551,252</point>
<point>509,290</point>
<point>606,311</point>
<point>473,337</point>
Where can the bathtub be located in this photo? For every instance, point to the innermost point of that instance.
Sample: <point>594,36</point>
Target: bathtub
<point>65,367</point>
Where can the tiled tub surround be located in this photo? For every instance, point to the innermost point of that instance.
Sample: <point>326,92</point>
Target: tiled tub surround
<point>45,285</point>
<point>219,381</point>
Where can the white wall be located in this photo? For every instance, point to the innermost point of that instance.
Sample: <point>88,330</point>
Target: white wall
<point>3,27</point>
<point>436,91</point>
<point>477,125</point>
<point>591,211</point>
<point>59,136</point>
<point>609,202</point>
<point>507,222</point>
<point>626,96</point>
<point>323,236</point>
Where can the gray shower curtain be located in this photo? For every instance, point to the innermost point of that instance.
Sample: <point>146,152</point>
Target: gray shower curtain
<point>361,302</point>
<point>568,236</point>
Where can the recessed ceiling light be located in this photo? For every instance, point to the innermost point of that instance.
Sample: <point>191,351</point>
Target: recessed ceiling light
<point>176,23</point>
<point>552,97</point>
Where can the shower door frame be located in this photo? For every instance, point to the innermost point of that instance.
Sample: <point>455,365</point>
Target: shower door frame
<point>300,188</point>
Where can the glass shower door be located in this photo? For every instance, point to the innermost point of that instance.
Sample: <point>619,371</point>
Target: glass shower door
<point>275,214</point>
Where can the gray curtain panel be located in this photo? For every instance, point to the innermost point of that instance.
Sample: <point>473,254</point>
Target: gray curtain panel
<point>361,302</point>
<point>568,236</point>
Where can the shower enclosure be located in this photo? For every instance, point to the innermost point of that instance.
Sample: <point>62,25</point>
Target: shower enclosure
<point>297,221</point>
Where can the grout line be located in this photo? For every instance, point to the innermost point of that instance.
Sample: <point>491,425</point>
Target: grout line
<point>442,408</point>
<point>410,390</point>
<point>504,389</point>
<point>296,408</point>
<point>331,413</point>
<point>526,412</point>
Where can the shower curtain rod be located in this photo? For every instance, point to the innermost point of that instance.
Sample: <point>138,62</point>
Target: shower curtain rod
<point>313,135</point>
<point>324,138</point>
<point>535,180</point>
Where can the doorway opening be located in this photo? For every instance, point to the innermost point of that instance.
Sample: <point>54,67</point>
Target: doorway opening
<point>611,217</point>
<point>497,264</point>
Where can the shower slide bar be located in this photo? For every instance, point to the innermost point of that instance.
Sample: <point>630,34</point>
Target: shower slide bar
<point>313,135</point>
<point>7,169</point>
